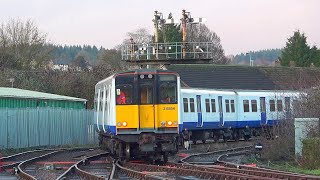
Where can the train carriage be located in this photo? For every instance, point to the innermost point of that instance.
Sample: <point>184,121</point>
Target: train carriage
<point>137,113</point>
<point>210,113</point>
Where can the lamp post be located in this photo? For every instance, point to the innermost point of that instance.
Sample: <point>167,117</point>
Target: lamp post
<point>11,80</point>
<point>250,60</point>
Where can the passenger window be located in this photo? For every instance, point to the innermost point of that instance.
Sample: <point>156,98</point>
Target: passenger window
<point>213,105</point>
<point>199,103</point>
<point>101,100</point>
<point>191,104</point>
<point>272,106</point>
<point>246,107</point>
<point>107,94</point>
<point>254,105</point>
<point>227,105</point>
<point>207,105</point>
<point>185,105</point>
<point>232,106</point>
<point>96,101</point>
<point>287,103</point>
<point>279,105</point>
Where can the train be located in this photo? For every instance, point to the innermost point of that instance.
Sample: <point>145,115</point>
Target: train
<point>137,113</point>
<point>209,113</point>
<point>141,113</point>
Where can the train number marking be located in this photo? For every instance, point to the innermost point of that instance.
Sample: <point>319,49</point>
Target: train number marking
<point>169,108</point>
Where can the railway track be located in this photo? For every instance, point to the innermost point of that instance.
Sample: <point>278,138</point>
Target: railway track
<point>210,158</point>
<point>94,168</point>
<point>98,165</point>
<point>220,162</point>
<point>9,162</point>
<point>258,171</point>
<point>62,164</point>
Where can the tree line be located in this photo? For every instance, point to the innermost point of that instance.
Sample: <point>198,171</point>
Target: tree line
<point>263,57</point>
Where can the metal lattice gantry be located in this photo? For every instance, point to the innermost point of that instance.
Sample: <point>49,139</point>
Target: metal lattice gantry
<point>173,52</point>
<point>169,52</point>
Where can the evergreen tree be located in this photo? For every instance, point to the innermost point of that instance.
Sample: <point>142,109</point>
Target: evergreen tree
<point>297,50</point>
<point>170,32</point>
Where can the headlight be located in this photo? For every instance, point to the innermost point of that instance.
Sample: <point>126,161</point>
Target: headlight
<point>124,124</point>
<point>163,124</point>
<point>175,123</point>
<point>169,123</point>
<point>119,124</point>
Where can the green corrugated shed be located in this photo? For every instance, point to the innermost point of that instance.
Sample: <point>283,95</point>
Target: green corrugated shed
<point>20,98</point>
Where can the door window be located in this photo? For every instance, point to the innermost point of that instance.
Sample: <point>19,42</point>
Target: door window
<point>146,93</point>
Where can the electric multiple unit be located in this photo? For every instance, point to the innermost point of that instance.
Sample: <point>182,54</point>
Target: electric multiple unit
<point>142,112</point>
<point>137,112</point>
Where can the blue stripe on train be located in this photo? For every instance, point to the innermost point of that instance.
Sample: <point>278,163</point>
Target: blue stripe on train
<point>234,124</point>
<point>110,129</point>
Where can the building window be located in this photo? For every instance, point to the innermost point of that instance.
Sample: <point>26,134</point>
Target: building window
<point>279,105</point>
<point>207,105</point>
<point>232,106</point>
<point>191,104</point>
<point>246,106</point>
<point>272,106</point>
<point>213,105</point>
<point>254,105</point>
<point>227,105</point>
<point>185,105</point>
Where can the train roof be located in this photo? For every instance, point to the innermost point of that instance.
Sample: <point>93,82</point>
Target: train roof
<point>268,93</point>
<point>214,76</point>
<point>138,71</point>
<point>27,94</point>
<point>243,92</point>
<point>225,92</point>
<point>144,71</point>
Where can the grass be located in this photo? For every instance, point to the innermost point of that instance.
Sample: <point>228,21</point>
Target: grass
<point>281,165</point>
<point>304,171</point>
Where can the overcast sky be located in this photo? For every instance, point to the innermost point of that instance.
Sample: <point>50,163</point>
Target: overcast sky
<point>242,25</point>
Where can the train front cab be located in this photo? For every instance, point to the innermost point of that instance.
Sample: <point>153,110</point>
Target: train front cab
<point>147,111</point>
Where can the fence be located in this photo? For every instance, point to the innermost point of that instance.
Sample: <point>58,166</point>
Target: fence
<point>33,127</point>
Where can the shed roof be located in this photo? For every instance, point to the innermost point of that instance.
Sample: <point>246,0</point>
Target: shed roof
<point>245,77</point>
<point>223,77</point>
<point>22,93</point>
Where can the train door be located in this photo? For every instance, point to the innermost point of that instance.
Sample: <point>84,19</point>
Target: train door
<point>220,110</point>
<point>263,110</point>
<point>200,122</point>
<point>146,106</point>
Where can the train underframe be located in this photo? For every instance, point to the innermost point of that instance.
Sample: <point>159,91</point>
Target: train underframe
<point>229,134</point>
<point>147,146</point>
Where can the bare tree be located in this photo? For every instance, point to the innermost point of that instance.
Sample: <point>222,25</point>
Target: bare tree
<point>111,59</point>
<point>22,45</point>
<point>139,36</point>
<point>281,147</point>
<point>201,33</point>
